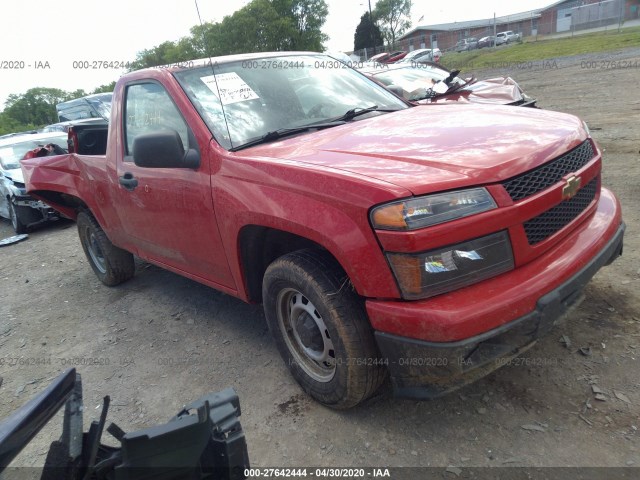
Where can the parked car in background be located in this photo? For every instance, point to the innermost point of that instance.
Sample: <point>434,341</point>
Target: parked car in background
<point>97,105</point>
<point>17,134</point>
<point>396,57</point>
<point>423,55</point>
<point>415,54</point>
<point>489,41</point>
<point>388,57</point>
<point>23,210</point>
<point>380,57</point>
<point>466,44</point>
<point>416,83</point>
<point>508,37</point>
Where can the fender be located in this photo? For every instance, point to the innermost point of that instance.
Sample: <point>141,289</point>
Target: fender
<point>83,177</point>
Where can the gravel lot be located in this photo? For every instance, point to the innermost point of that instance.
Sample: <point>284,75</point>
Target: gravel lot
<point>159,341</point>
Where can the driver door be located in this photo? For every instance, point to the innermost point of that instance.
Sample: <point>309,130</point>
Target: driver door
<point>168,213</point>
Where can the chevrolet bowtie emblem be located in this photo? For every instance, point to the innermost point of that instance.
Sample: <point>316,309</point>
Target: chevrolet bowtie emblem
<point>571,188</point>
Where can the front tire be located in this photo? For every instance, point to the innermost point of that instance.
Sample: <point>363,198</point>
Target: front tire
<point>321,329</point>
<point>16,220</point>
<point>111,264</point>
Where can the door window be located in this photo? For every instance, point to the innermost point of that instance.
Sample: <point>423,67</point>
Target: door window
<point>149,109</point>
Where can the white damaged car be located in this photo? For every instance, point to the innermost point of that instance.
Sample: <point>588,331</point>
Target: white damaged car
<point>21,209</point>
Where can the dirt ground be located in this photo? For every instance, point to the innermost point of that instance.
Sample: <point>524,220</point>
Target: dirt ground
<point>160,341</point>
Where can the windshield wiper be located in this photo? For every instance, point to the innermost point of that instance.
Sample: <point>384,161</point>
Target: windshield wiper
<point>430,93</point>
<point>451,77</point>
<point>357,111</point>
<point>284,132</point>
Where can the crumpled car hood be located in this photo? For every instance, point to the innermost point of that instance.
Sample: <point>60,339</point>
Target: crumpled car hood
<point>435,147</point>
<point>496,91</point>
<point>15,175</point>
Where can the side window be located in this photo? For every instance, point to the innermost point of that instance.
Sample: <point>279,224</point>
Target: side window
<point>149,109</point>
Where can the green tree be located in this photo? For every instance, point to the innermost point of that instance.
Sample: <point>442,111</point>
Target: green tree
<point>308,17</point>
<point>109,87</point>
<point>10,125</point>
<point>394,16</point>
<point>37,106</point>
<point>166,53</point>
<point>368,34</point>
<point>259,26</point>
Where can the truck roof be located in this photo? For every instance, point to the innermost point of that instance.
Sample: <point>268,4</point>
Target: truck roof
<point>201,62</point>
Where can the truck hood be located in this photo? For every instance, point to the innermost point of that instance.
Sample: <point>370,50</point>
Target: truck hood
<point>435,147</point>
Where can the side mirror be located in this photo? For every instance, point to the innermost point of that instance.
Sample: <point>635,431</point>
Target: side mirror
<point>163,150</point>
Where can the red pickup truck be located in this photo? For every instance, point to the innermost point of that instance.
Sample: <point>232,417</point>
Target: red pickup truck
<point>427,243</point>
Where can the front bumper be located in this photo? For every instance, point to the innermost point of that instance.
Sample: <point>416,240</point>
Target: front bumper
<point>422,369</point>
<point>45,210</point>
<point>28,201</point>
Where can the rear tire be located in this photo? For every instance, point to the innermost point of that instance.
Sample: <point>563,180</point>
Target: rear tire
<point>111,264</point>
<point>321,329</point>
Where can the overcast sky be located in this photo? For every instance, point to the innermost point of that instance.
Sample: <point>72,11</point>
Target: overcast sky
<point>41,32</point>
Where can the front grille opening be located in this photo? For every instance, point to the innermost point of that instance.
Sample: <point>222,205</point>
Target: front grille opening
<point>546,224</point>
<point>546,175</point>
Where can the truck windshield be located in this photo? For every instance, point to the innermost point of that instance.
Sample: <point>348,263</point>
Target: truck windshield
<point>264,95</point>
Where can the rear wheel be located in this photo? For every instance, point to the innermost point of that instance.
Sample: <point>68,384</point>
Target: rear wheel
<point>111,264</point>
<point>321,329</point>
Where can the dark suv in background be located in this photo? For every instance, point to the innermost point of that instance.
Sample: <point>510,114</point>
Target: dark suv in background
<point>466,44</point>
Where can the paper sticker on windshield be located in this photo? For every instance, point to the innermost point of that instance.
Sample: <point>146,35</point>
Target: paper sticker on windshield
<point>232,88</point>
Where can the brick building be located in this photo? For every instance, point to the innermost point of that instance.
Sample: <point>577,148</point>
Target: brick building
<point>562,16</point>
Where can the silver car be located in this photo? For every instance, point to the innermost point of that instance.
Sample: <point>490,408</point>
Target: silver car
<point>23,210</point>
<point>421,55</point>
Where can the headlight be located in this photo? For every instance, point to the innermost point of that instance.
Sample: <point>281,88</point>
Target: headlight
<point>586,127</point>
<point>431,209</point>
<point>21,188</point>
<point>438,271</point>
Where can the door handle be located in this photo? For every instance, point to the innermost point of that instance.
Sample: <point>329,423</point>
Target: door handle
<point>128,181</point>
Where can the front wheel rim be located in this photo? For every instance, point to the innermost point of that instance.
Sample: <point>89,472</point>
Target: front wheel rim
<point>94,250</point>
<point>306,335</point>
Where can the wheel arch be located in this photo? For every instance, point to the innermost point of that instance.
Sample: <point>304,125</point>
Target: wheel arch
<point>67,204</point>
<point>259,246</point>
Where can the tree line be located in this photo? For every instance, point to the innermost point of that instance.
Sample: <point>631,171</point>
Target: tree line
<point>37,107</point>
<point>388,20</point>
<point>259,26</point>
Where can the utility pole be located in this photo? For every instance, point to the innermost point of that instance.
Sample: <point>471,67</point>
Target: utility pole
<point>621,17</point>
<point>371,29</point>
<point>494,29</point>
